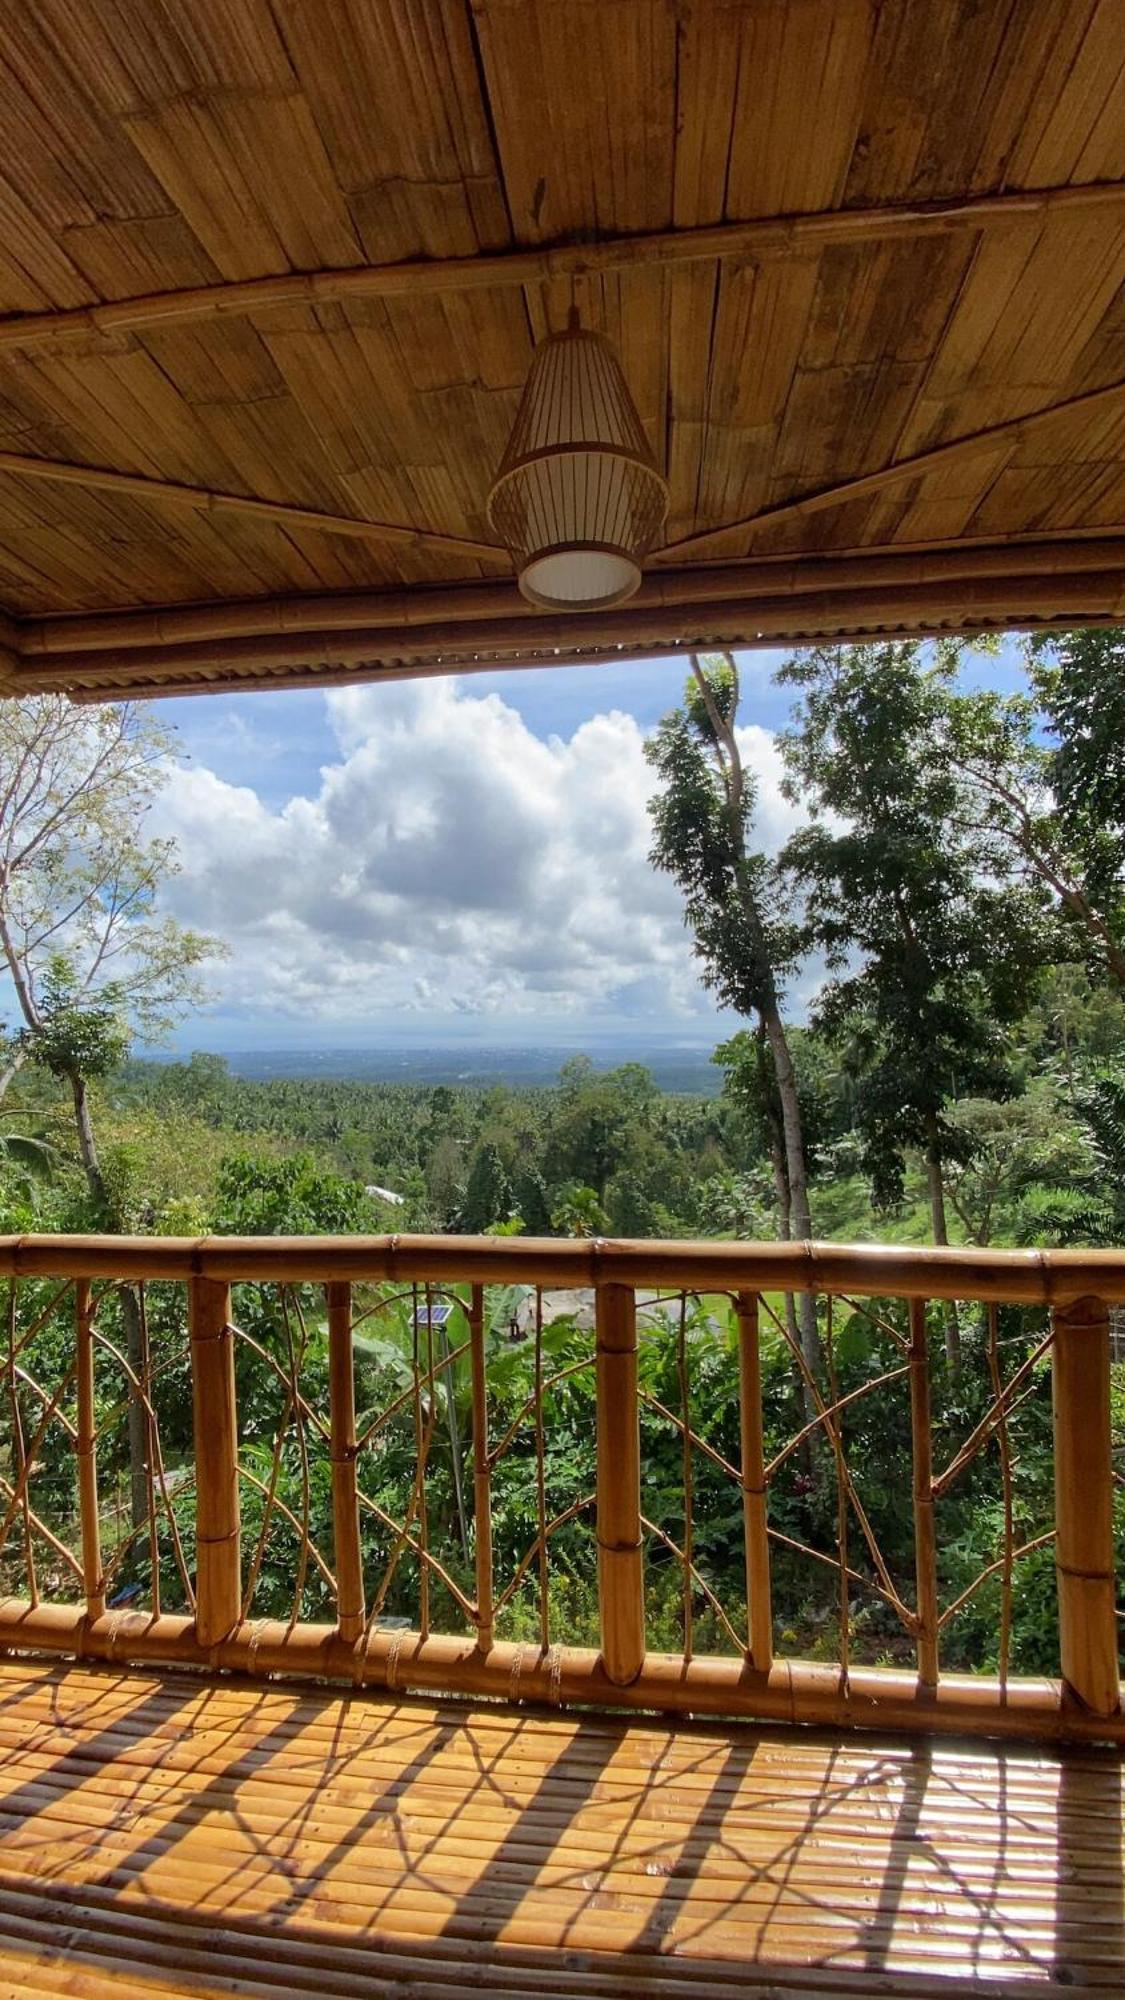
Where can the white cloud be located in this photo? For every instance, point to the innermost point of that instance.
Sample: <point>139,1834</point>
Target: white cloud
<point>451,863</point>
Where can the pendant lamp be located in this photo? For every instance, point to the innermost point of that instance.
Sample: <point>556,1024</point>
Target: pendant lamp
<point>578,499</point>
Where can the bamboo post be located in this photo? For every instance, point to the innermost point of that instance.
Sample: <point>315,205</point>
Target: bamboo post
<point>925,1539</point>
<point>350,1612</point>
<point>86,1449</point>
<point>1084,1561</point>
<point>217,1524</point>
<point>621,1603</point>
<point>759,1608</point>
<point>482,1472</point>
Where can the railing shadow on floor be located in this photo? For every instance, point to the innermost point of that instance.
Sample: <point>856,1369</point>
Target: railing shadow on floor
<point>800,1849</point>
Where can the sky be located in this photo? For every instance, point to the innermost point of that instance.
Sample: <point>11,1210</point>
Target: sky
<point>459,860</point>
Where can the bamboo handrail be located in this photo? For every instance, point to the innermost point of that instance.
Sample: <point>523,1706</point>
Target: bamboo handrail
<point>874,1270</point>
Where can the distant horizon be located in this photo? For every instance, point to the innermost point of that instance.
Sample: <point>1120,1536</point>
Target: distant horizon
<point>675,1064</point>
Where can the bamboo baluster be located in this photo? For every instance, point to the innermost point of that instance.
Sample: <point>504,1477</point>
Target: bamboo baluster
<point>350,1610</point>
<point>1084,1557</point>
<point>541,1484</point>
<point>621,1602</point>
<point>143,1392</point>
<point>482,1471</point>
<point>86,1447</point>
<point>925,1540</point>
<point>759,1607</point>
<point>218,1537</point>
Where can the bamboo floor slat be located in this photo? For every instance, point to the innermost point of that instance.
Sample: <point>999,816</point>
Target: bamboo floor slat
<point>178,1835</point>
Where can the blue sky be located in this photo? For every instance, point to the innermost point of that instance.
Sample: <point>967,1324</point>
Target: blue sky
<point>460,860</point>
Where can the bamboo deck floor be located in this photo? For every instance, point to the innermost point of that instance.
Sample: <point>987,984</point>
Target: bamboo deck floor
<point>164,1836</point>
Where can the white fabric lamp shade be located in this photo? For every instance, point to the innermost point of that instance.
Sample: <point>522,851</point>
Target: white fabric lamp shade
<point>578,500</point>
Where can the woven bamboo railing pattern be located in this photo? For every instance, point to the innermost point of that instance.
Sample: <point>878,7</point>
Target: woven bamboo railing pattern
<point>344,1458</point>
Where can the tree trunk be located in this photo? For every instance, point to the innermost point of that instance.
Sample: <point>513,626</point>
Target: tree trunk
<point>800,1216</point>
<point>941,1233</point>
<point>87,1144</point>
<point>733,782</point>
<point>10,1071</point>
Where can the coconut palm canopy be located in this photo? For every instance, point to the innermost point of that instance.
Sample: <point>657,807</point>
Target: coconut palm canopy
<point>271,278</point>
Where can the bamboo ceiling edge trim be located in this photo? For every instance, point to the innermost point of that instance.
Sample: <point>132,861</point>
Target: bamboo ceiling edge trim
<point>969,603</point>
<point>780,235</point>
<point>92,688</point>
<point>100,693</point>
<point>741,579</point>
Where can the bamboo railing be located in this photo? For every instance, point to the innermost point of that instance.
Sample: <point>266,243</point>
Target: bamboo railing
<point>246,1483</point>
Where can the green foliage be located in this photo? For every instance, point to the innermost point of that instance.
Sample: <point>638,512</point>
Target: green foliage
<point>1046,784</point>
<point>296,1196</point>
<point>931,958</point>
<point>75,1037</point>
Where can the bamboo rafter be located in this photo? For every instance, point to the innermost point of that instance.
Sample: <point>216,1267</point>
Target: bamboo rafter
<point>1002,436</point>
<point>202,499</point>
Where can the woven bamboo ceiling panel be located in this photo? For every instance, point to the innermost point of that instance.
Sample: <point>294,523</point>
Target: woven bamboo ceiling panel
<point>272,271</point>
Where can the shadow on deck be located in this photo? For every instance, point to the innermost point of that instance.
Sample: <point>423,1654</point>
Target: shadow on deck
<point>176,1835</point>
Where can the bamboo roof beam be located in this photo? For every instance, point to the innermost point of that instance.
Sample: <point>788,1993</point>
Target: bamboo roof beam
<point>135,486</point>
<point>786,235</point>
<point>1012,432</point>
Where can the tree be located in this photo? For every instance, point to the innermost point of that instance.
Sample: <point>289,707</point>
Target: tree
<point>596,1115</point>
<point>578,1212</point>
<point>488,1194</point>
<point>744,936</point>
<point>1082,1200</point>
<point>930,958</point>
<point>88,956</point>
<point>1057,807</point>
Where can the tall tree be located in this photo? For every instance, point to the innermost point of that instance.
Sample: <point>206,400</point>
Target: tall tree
<point>1045,778</point>
<point>80,937</point>
<point>88,955</point>
<point>930,958</point>
<point>744,936</point>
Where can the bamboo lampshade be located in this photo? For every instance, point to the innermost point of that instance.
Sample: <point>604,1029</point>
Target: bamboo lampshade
<point>578,499</point>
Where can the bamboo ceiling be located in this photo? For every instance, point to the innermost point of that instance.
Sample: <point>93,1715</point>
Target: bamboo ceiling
<point>271,272</point>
